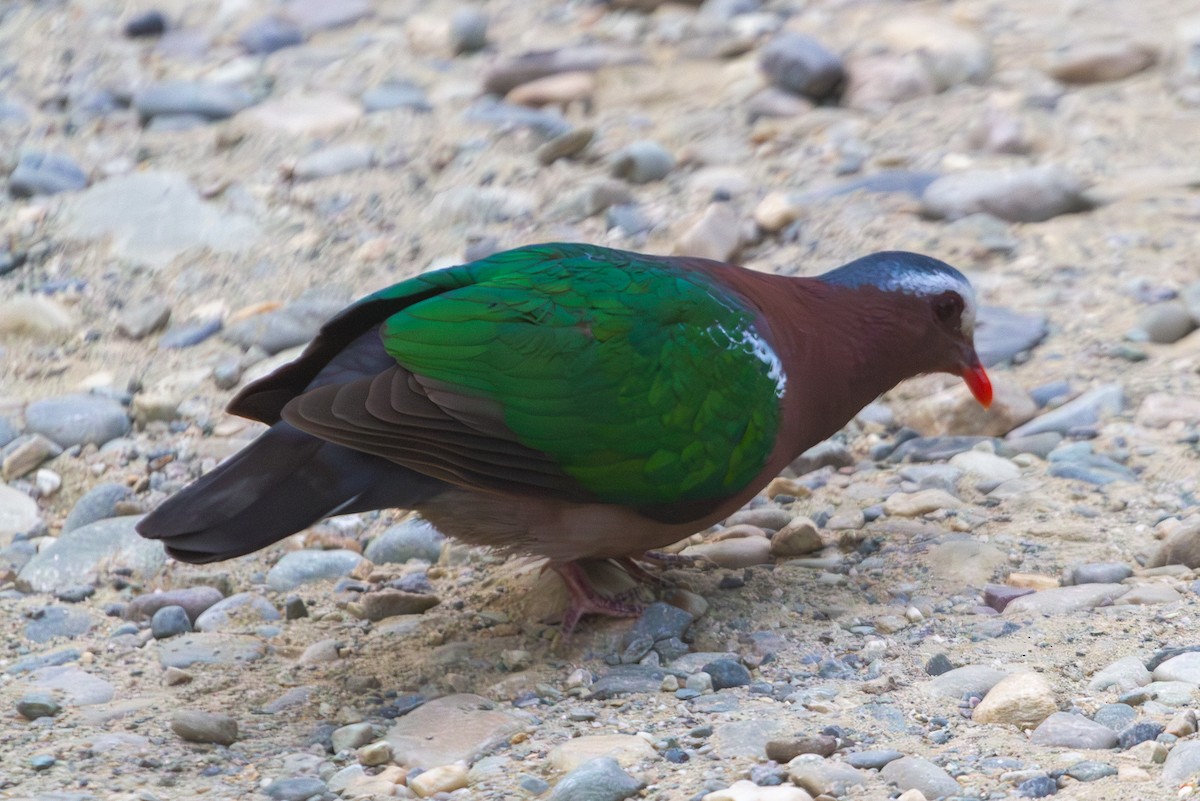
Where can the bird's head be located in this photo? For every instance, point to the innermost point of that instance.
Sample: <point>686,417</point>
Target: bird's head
<point>936,292</point>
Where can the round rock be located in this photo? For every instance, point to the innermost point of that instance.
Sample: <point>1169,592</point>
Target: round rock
<point>413,539</point>
<point>642,162</point>
<point>77,419</point>
<point>196,726</point>
<point>170,621</point>
<point>303,567</point>
<point>1022,699</point>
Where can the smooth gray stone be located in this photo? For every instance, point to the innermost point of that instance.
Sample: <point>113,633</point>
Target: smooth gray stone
<point>913,772</point>
<point>413,539</point>
<point>1066,730</point>
<point>302,567</point>
<point>209,100</point>
<point>45,174</point>
<point>1001,334</point>
<point>98,503</point>
<point>599,779</point>
<point>77,419</point>
<point>237,610</point>
<point>77,556</point>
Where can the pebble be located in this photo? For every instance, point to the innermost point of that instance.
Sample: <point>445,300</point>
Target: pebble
<point>1182,764</point>
<point>77,556</point>
<point>1126,673</point>
<point>35,317</point>
<point>1088,409</point>
<point>626,749</point>
<point>786,750</point>
<point>32,706</point>
<point>1115,716</point>
<point>18,514</point>
<point>194,600</point>
<point>1138,733</point>
<point>803,66</point>
<point>1100,62</point>
<point>170,621</point>
<point>452,728</point>
<point>779,209</point>
<point>1161,409</point>
<point>98,503</point>
<point>877,82</point>
<point>442,779</point>
<point>1101,573</point>
<point>502,77</point>
<point>715,235</point>
<point>913,504</point>
<point>374,754</point>
<point>1090,771</point>
<point>1037,787</point>
<point>872,760</point>
<point>1185,667</point>
<point>917,773</point>
<point>245,609</point>
<point>139,320</point>
<point>209,101</point>
<point>565,145</point>
<point>745,790</point>
<point>1148,594</point>
<point>56,621</point>
<point>1183,724</point>
<point>468,30</point>
<point>726,673</point>
<point>599,779</point>
<point>818,775</point>
<point>413,539</point>
<point>387,603</point>
<point>303,567</point>
<point>1067,730</point>
<point>951,52</point>
<point>71,420</point>
<point>641,162</point>
<point>146,23</point>
<point>392,95</point>
<point>187,335</point>
<point>352,736</point>
<point>150,217</point>
<point>75,686</point>
<point>209,649</point>
<point>41,762</point>
<point>45,174</point>
<point>1181,547</point>
<point>268,35</point>
<point>197,726</point>
<point>334,160</point>
<point>294,324</point>
<point>1163,323</point>
<point>1021,699</point>
<point>798,537</point>
<point>1064,600</point>
<point>294,788</point>
<point>1026,194</point>
<point>733,554</point>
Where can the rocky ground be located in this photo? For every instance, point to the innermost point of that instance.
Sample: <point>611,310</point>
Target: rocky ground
<point>937,603</point>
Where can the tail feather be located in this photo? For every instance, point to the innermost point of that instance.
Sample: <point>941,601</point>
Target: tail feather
<point>281,483</point>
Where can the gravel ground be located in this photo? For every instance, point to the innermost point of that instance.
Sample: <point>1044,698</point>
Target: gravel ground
<point>937,603</point>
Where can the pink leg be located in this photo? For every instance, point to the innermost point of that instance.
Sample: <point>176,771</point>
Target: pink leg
<point>585,600</point>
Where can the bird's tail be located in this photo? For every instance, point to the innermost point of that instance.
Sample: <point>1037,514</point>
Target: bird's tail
<point>281,483</point>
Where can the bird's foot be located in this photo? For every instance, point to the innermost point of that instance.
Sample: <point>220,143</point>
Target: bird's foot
<point>639,573</point>
<point>585,600</point>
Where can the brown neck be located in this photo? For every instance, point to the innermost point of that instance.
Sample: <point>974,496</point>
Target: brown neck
<point>856,343</point>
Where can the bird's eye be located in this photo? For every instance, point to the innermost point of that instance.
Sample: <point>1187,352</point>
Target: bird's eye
<point>948,307</point>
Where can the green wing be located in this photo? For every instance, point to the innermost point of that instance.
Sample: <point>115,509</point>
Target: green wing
<point>643,381</point>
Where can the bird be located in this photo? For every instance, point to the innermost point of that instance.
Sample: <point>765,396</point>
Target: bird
<point>572,402</point>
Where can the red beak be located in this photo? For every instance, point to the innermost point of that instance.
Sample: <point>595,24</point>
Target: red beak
<point>976,378</point>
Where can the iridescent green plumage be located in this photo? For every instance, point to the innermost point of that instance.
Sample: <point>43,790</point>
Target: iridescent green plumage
<point>643,381</point>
